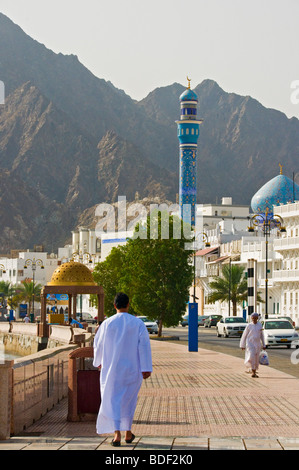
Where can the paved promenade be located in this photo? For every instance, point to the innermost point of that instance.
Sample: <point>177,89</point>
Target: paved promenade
<point>194,400</point>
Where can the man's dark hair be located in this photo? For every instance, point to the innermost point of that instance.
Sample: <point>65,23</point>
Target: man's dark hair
<point>121,300</point>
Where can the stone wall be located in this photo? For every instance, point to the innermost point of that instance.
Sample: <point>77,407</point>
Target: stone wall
<point>22,339</point>
<point>19,338</point>
<point>5,402</point>
<point>31,385</point>
<point>38,383</point>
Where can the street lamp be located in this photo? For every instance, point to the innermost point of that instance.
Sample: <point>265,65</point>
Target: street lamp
<point>33,263</point>
<point>2,267</point>
<point>81,256</point>
<point>267,221</point>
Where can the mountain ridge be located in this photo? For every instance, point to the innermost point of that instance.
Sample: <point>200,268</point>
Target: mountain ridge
<point>75,138</point>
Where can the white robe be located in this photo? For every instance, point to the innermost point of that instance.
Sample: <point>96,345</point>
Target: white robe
<point>122,348</point>
<point>251,340</point>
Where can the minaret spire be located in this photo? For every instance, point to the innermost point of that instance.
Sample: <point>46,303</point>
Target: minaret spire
<point>188,134</point>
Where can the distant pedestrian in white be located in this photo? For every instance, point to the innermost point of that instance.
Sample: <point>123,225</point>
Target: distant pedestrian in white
<point>252,340</point>
<point>122,349</point>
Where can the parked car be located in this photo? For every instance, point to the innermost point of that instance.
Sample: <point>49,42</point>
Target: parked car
<point>212,320</point>
<point>280,317</point>
<point>85,317</point>
<point>279,332</point>
<point>151,326</point>
<point>201,319</point>
<point>231,326</point>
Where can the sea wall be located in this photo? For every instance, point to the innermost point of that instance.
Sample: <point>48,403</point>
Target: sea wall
<point>22,338</point>
<point>19,338</point>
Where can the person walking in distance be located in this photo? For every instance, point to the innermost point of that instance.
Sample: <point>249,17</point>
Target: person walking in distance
<point>251,341</point>
<point>122,350</point>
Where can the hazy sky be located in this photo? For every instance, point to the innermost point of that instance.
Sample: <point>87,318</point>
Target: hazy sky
<point>248,47</point>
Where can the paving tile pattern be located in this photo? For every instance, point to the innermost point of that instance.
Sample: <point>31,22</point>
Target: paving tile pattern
<point>199,400</point>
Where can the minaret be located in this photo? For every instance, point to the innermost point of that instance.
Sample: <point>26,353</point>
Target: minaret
<point>188,133</point>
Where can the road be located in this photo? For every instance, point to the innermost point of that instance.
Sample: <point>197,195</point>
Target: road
<point>280,357</point>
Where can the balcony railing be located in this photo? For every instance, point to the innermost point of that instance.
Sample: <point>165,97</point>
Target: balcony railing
<point>287,210</point>
<point>289,243</point>
<point>286,275</point>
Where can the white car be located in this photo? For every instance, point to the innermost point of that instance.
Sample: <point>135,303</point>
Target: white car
<point>231,326</point>
<point>151,326</point>
<point>279,332</point>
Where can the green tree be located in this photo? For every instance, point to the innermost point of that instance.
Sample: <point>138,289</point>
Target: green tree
<point>231,285</point>
<point>8,291</point>
<point>25,293</point>
<point>108,274</point>
<point>154,269</point>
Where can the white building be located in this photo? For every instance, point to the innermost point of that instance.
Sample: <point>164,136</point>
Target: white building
<point>113,240</point>
<point>17,270</point>
<point>283,265</point>
<point>286,274</point>
<point>29,265</point>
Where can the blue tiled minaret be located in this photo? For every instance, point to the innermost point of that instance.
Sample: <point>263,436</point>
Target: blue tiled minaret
<point>188,133</point>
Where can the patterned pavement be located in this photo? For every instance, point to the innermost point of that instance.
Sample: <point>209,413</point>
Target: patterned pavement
<point>193,400</point>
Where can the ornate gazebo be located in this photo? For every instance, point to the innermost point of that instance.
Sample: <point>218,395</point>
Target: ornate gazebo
<point>73,279</point>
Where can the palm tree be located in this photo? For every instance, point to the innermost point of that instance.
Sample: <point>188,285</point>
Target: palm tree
<point>26,291</point>
<point>7,290</point>
<point>231,286</point>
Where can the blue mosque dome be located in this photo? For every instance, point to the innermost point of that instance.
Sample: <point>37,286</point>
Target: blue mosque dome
<point>279,190</point>
<point>188,95</point>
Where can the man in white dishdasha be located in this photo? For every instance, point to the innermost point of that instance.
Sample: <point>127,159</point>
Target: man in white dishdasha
<point>251,340</point>
<point>122,350</point>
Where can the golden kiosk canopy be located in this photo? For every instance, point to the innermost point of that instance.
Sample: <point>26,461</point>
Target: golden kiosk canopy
<point>72,274</point>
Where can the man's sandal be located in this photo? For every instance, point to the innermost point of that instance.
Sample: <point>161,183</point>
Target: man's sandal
<point>128,441</point>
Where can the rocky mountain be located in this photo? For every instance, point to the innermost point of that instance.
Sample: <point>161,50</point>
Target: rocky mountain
<point>70,140</point>
<point>241,142</point>
<point>121,163</point>
<point>29,218</point>
<point>93,103</point>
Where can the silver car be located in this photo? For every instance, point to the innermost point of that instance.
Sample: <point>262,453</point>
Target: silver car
<point>151,326</point>
<point>231,326</point>
<point>280,333</point>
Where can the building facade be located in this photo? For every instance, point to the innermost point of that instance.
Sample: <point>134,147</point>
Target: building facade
<point>286,273</point>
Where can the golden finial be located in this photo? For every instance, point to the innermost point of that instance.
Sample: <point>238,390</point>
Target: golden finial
<point>280,168</point>
<point>189,80</point>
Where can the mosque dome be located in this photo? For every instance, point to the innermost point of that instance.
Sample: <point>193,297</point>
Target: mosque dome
<point>72,274</point>
<point>188,95</point>
<point>279,190</point>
